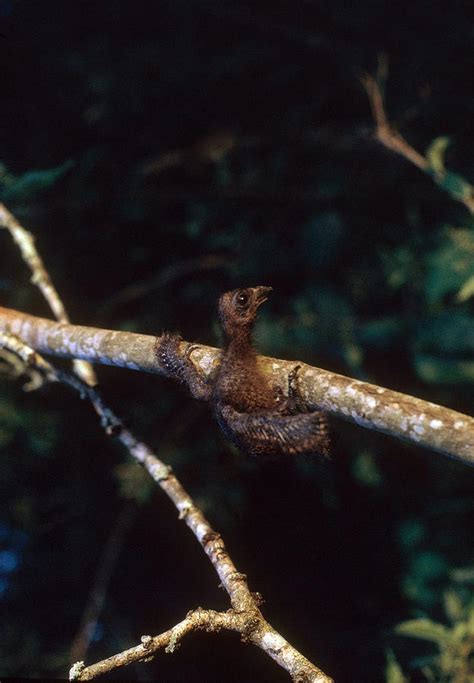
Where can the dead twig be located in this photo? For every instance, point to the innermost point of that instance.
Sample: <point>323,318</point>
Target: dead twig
<point>169,641</point>
<point>456,186</point>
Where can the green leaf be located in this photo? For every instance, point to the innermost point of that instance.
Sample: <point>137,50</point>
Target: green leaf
<point>366,471</point>
<point>463,574</point>
<point>393,670</point>
<point>435,154</point>
<point>399,266</point>
<point>380,332</point>
<point>453,606</point>
<point>466,291</point>
<point>451,265</point>
<point>411,532</point>
<point>459,632</point>
<point>448,334</point>
<point>437,370</point>
<point>457,186</point>
<point>23,187</point>
<point>424,629</point>
<point>444,348</point>
<point>470,620</point>
<point>453,183</point>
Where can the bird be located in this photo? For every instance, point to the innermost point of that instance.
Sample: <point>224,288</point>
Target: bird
<point>256,416</point>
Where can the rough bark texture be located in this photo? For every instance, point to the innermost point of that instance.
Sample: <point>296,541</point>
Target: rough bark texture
<point>40,277</point>
<point>244,617</point>
<point>252,413</point>
<point>426,424</point>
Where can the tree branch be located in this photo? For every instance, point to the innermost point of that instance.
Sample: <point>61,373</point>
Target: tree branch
<point>169,641</point>
<point>405,417</point>
<point>459,189</point>
<point>40,277</point>
<point>245,616</point>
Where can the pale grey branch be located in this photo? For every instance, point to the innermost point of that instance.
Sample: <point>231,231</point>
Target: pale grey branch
<point>245,616</point>
<point>40,277</point>
<point>400,415</point>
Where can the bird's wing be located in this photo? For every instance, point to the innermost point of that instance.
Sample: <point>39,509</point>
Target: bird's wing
<point>271,433</point>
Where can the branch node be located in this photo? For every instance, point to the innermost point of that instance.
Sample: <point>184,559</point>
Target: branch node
<point>111,428</point>
<point>174,642</point>
<point>160,472</point>
<point>210,537</point>
<point>250,626</point>
<point>237,576</point>
<point>147,642</point>
<point>258,597</point>
<point>76,670</point>
<point>184,510</point>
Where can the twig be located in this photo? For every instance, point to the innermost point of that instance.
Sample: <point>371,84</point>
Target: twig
<point>245,616</point>
<point>405,417</point>
<point>169,641</point>
<point>384,131</point>
<point>208,149</point>
<point>40,277</point>
<point>386,134</point>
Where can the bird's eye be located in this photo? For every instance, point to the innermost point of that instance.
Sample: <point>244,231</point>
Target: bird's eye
<point>242,298</point>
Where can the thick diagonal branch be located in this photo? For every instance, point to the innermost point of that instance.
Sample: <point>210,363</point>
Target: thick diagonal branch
<point>245,616</point>
<point>405,417</point>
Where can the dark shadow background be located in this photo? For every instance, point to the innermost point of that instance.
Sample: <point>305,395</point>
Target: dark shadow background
<point>216,144</point>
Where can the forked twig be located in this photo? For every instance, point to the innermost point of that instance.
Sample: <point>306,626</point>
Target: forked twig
<point>456,186</point>
<point>244,616</point>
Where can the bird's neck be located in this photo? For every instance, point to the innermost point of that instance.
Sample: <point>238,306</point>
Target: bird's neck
<point>239,344</point>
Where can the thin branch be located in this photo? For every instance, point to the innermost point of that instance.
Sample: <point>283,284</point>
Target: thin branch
<point>387,135</point>
<point>245,616</point>
<point>208,149</point>
<point>40,277</point>
<point>169,641</point>
<point>113,546</point>
<point>384,132</point>
<point>368,405</point>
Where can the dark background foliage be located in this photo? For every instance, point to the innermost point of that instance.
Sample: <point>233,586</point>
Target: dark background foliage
<point>186,148</point>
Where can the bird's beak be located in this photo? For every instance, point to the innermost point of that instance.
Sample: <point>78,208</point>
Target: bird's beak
<point>262,294</point>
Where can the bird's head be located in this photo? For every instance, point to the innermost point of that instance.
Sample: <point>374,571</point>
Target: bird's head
<point>238,308</point>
